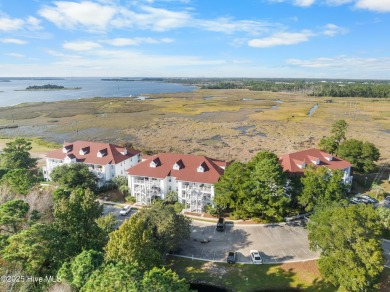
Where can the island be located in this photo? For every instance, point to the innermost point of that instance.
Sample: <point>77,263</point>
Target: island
<point>48,87</point>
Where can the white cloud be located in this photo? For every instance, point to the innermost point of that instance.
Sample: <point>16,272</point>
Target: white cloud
<point>122,42</point>
<point>345,63</point>
<point>101,17</point>
<point>86,14</point>
<point>15,55</point>
<point>229,26</point>
<point>81,46</point>
<point>282,38</point>
<point>13,41</point>
<point>10,24</point>
<point>33,23</point>
<point>332,30</point>
<point>304,3</point>
<point>374,5</point>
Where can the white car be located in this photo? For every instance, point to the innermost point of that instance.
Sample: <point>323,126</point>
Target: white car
<point>256,257</point>
<point>125,210</point>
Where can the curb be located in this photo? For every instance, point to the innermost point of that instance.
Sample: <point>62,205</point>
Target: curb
<point>243,263</point>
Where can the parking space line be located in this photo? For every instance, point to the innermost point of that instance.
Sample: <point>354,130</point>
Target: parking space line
<point>304,251</point>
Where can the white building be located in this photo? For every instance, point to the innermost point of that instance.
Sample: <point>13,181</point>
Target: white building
<point>106,160</point>
<point>192,177</point>
<point>296,162</point>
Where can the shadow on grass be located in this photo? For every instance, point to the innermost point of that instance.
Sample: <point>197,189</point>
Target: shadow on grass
<point>244,278</point>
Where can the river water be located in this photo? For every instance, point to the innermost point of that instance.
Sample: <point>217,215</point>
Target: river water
<point>90,87</point>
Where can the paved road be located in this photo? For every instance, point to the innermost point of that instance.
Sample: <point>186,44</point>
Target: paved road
<point>276,242</point>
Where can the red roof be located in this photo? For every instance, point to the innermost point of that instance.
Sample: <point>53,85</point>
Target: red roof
<point>291,162</point>
<point>110,153</point>
<point>186,170</point>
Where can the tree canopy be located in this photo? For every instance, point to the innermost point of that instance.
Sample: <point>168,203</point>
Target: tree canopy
<point>16,155</point>
<point>81,267</point>
<point>362,155</point>
<point>349,239</point>
<point>160,279</point>
<point>148,236</point>
<point>114,277</point>
<point>338,135</point>
<point>13,214</point>
<point>20,180</point>
<point>255,189</point>
<point>74,175</point>
<point>321,187</point>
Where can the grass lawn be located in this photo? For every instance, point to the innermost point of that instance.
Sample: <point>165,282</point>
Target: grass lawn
<point>239,277</point>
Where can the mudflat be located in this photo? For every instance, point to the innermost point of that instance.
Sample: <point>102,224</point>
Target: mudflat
<point>224,124</point>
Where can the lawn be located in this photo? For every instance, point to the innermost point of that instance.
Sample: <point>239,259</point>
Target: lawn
<point>248,278</point>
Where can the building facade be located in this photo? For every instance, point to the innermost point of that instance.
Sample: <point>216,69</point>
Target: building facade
<point>191,177</point>
<point>105,160</point>
<point>296,162</point>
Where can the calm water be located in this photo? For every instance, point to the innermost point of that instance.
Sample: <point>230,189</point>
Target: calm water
<point>90,87</point>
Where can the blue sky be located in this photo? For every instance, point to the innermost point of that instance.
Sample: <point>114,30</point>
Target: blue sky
<point>196,38</point>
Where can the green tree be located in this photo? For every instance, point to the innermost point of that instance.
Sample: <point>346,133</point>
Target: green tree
<point>20,180</point>
<point>81,267</point>
<point>384,215</point>
<point>74,175</point>
<point>256,189</point>
<point>148,236</point>
<point>13,214</point>
<point>114,277</point>
<point>321,187</point>
<point>16,155</point>
<point>230,185</point>
<point>362,155</point>
<point>77,217</point>
<point>349,239</point>
<point>35,249</point>
<point>162,280</point>
<point>332,143</point>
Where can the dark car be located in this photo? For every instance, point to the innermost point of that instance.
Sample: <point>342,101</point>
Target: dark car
<point>221,224</point>
<point>232,257</point>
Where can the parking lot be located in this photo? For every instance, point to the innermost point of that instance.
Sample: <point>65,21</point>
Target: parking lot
<point>276,242</point>
<point>107,209</point>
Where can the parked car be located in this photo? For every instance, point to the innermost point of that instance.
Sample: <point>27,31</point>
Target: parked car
<point>369,199</point>
<point>387,200</point>
<point>125,210</point>
<point>256,257</point>
<point>356,201</point>
<point>232,257</point>
<point>220,224</point>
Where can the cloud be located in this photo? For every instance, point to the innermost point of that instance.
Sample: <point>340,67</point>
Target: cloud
<point>122,42</point>
<point>374,5</point>
<point>345,63</point>
<point>15,55</point>
<point>13,41</point>
<point>102,17</point>
<point>71,15</point>
<point>332,30</point>
<point>304,3</point>
<point>282,38</point>
<point>80,46</point>
<point>9,24</point>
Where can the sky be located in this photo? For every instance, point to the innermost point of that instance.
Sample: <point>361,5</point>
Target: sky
<point>195,38</point>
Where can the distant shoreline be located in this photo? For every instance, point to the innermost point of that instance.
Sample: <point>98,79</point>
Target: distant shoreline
<point>49,89</point>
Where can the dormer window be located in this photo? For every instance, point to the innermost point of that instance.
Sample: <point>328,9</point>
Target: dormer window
<point>84,150</point>
<point>329,158</point>
<point>155,162</point>
<point>124,152</point>
<point>67,148</point>
<point>202,168</point>
<point>102,152</point>
<point>178,165</point>
<point>303,165</point>
<point>70,158</point>
<point>316,161</point>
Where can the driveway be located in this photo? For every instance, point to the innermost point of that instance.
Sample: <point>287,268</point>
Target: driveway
<point>107,209</point>
<point>277,243</point>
